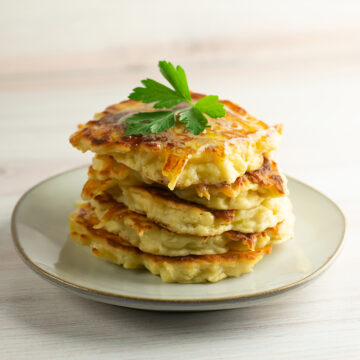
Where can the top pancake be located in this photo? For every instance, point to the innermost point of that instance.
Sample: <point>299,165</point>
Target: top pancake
<point>233,145</point>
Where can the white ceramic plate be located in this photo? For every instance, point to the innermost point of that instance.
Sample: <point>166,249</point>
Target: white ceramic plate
<point>40,233</point>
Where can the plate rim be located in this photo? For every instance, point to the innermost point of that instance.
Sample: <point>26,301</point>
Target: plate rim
<point>118,297</point>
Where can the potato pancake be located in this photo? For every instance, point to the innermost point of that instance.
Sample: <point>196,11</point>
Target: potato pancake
<point>232,145</point>
<point>154,239</point>
<point>248,191</point>
<point>177,215</point>
<point>181,269</point>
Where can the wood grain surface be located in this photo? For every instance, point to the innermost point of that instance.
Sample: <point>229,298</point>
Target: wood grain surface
<point>295,64</point>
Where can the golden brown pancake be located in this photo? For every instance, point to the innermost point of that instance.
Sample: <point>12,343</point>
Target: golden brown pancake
<point>231,146</point>
<point>184,269</point>
<point>182,217</point>
<point>248,191</point>
<point>152,238</point>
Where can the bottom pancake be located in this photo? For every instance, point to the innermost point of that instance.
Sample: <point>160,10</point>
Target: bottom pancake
<point>185,269</point>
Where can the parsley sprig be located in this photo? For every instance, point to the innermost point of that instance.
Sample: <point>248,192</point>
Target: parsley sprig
<point>164,97</point>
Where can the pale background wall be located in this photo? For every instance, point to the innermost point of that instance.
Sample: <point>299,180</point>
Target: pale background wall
<point>296,62</point>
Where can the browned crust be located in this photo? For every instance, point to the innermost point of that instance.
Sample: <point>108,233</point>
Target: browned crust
<point>247,239</point>
<point>267,176</point>
<point>108,130</point>
<point>86,217</point>
<point>119,210</point>
<point>174,165</point>
<point>93,187</point>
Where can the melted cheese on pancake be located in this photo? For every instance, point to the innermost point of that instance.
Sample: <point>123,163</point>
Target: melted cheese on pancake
<point>185,269</point>
<point>233,145</point>
<point>151,238</point>
<point>246,192</point>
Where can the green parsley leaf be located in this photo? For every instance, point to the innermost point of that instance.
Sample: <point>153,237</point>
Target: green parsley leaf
<point>150,122</point>
<point>165,97</point>
<point>210,106</point>
<point>153,91</point>
<point>195,121</point>
<point>177,78</point>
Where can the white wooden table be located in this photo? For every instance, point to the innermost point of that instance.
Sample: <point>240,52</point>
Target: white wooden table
<point>308,80</point>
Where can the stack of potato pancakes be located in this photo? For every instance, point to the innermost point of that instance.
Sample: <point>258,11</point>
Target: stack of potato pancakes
<point>190,208</point>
